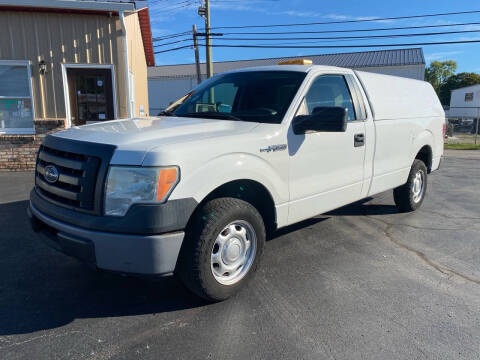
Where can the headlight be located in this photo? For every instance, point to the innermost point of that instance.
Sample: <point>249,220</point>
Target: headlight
<point>129,185</point>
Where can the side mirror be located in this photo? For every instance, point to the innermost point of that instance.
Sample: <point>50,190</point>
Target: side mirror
<point>323,119</point>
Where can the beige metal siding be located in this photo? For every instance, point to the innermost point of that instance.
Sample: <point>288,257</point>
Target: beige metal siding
<point>62,38</point>
<point>137,62</point>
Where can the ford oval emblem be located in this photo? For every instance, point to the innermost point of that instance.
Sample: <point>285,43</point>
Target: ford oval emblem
<point>51,174</point>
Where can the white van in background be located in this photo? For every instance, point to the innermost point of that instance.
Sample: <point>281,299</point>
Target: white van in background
<point>195,191</point>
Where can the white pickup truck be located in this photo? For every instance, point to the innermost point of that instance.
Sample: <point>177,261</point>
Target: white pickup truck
<point>195,192</point>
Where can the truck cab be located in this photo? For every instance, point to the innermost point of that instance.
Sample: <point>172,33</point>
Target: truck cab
<point>196,191</point>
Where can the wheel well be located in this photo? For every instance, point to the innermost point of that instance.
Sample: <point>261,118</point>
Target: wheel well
<point>252,192</point>
<point>425,154</point>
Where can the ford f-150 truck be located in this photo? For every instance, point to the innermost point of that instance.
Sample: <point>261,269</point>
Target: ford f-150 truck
<point>195,191</point>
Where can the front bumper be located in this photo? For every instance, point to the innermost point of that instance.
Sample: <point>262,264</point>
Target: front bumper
<point>140,219</point>
<point>127,253</point>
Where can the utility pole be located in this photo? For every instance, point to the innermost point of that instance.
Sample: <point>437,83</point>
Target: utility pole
<point>476,127</point>
<point>208,41</point>
<point>197,56</point>
<point>204,11</point>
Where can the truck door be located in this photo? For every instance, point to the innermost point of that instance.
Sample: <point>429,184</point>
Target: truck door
<point>327,168</point>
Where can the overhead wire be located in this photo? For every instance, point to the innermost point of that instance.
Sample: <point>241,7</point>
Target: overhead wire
<point>324,39</point>
<point>351,37</point>
<point>376,19</point>
<point>352,30</point>
<point>188,32</point>
<point>171,36</point>
<point>323,46</point>
<point>173,49</point>
<point>171,43</point>
<point>329,39</point>
<point>343,46</point>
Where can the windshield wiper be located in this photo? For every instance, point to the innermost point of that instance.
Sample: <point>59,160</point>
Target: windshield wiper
<point>212,114</point>
<point>166,113</point>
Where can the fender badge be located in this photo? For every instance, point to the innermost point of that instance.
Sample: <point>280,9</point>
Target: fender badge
<point>274,148</point>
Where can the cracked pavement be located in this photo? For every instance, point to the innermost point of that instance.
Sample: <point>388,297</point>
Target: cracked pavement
<point>361,282</point>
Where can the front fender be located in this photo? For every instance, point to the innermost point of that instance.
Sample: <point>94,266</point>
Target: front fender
<point>229,167</point>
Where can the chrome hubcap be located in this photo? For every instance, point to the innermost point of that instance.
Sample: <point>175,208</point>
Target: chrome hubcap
<point>233,252</point>
<point>418,186</point>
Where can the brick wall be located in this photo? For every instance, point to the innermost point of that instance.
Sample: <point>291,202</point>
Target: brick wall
<point>18,152</point>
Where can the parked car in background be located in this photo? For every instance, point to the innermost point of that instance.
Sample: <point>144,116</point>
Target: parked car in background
<point>196,191</point>
<point>475,126</point>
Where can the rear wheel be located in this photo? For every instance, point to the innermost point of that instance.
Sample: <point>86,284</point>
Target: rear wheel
<point>223,246</point>
<point>409,197</point>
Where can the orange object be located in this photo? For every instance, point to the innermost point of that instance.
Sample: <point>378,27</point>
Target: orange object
<point>296,62</point>
<point>166,180</point>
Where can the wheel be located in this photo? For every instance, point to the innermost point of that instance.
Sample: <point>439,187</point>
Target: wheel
<point>222,248</point>
<point>409,197</point>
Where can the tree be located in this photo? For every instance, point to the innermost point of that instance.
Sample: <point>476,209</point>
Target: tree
<point>455,82</point>
<point>438,72</point>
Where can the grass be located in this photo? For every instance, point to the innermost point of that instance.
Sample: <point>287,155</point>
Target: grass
<point>462,146</point>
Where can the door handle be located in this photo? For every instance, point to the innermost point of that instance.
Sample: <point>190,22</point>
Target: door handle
<point>358,140</point>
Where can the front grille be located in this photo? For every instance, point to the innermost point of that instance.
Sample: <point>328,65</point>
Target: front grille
<point>76,181</point>
<point>81,170</point>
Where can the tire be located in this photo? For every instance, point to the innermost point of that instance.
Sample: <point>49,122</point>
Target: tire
<point>225,233</point>
<point>410,196</point>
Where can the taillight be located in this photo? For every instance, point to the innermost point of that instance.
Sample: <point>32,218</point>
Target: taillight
<point>444,129</point>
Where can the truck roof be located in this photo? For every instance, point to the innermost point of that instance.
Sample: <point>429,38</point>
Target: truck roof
<point>390,97</point>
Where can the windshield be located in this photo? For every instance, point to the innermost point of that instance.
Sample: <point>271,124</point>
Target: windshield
<point>258,96</point>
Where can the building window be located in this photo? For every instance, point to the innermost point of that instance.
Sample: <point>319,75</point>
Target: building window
<point>16,106</point>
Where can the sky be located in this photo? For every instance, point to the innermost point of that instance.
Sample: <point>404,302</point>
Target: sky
<point>174,16</point>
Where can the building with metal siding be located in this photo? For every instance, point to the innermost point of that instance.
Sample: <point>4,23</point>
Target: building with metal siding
<point>465,102</point>
<point>66,63</point>
<point>169,82</point>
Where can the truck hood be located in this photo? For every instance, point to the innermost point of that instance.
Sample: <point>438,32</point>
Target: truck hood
<point>135,137</point>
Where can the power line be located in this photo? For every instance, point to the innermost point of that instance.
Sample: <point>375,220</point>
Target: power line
<point>351,31</point>
<point>171,36</point>
<point>175,4</point>
<point>231,1</point>
<point>171,43</point>
<point>323,46</point>
<point>331,38</point>
<point>158,1</point>
<point>169,9</point>
<point>349,21</point>
<point>173,49</point>
<point>188,33</point>
<point>342,46</point>
<point>353,37</point>
<point>334,38</point>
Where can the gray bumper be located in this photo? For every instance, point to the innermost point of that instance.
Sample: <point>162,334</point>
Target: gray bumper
<point>128,253</point>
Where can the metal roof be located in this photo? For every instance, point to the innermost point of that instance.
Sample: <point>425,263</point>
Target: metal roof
<point>382,58</point>
<point>73,4</point>
<point>467,87</point>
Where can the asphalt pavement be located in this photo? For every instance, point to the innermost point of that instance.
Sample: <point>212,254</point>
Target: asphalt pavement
<point>361,282</point>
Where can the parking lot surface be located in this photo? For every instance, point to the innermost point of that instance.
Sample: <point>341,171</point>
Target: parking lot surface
<point>361,282</point>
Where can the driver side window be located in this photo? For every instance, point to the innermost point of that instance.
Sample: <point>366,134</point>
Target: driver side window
<point>328,91</point>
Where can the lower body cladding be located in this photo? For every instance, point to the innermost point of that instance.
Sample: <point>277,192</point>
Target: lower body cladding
<point>126,253</point>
